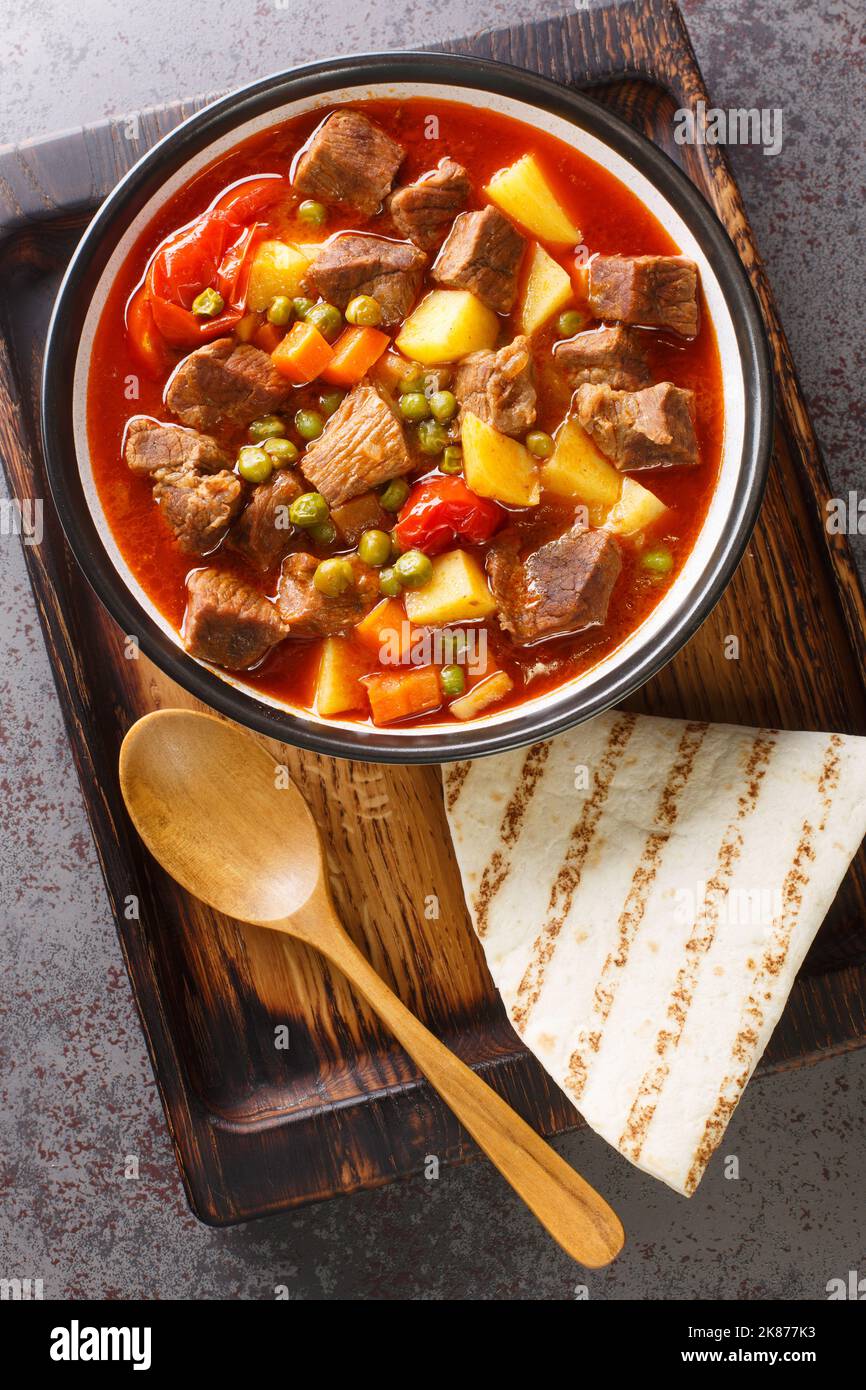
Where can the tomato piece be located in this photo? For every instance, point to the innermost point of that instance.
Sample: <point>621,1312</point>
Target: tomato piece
<point>188,261</point>
<point>147,342</point>
<point>233,277</point>
<point>215,251</point>
<point>183,329</point>
<point>442,510</point>
<point>246,200</point>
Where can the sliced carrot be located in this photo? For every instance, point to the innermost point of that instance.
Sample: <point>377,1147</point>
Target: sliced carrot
<point>303,354</point>
<point>401,694</point>
<point>267,337</point>
<point>386,624</point>
<point>355,351</point>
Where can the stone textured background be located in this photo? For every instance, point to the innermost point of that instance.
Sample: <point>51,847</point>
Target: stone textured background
<point>76,1090</point>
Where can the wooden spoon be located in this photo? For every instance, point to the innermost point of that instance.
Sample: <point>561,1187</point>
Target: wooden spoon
<point>208,804</point>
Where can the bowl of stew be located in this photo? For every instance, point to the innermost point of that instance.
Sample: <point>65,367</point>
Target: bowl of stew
<point>407,407</point>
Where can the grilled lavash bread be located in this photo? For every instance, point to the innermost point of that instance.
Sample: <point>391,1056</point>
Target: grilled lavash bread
<point>645,891</point>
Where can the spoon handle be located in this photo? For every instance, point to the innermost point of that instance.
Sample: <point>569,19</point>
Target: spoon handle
<point>572,1211</point>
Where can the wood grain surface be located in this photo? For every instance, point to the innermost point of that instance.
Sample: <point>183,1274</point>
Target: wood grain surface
<point>256,1128</point>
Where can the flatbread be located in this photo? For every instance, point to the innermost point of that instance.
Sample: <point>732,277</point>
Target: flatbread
<point>645,891</point>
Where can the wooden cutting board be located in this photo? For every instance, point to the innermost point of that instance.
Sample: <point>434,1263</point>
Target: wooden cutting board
<point>259,1127</point>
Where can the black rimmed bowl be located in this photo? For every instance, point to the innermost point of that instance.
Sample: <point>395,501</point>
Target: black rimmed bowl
<point>747,386</point>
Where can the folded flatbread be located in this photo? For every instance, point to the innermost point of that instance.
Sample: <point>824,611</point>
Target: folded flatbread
<point>645,891</point>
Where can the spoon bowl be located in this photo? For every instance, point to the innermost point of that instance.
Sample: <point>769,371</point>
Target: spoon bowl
<point>220,816</point>
<point>229,824</point>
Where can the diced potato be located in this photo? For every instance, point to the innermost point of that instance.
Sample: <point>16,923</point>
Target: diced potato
<point>548,289</point>
<point>577,469</point>
<point>446,326</point>
<point>636,509</point>
<point>486,693</point>
<point>338,684</point>
<point>457,592</point>
<point>494,465</point>
<point>310,249</point>
<point>277,268</point>
<point>524,193</point>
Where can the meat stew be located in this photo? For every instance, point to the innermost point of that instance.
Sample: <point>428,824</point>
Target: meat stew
<point>422,427</point>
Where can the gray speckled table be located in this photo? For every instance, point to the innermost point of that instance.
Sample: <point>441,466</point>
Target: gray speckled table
<point>76,1091</point>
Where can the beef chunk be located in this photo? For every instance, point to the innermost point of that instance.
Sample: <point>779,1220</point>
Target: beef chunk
<point>223,383</point>
<point>263,532</point>
<point>498,387</point>
<point>349,160</point>
<point>155,448</point>
<point>659,291</point>
<point>361,446</point>
<point>423,211</point>
<point>653,428</point>
<point>307,613</point>
<point>354,263</point>
<point>482,254</point>
<point>227,622</point>
<point>199,507</point>
<point>353,518</point>
<point>562,586</point>
<point>612,355</point>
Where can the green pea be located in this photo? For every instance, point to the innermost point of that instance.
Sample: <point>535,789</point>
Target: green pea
<point>452,680</point>
<point>414,568</point>
<point>327,318</point>
<point>570,323</point>
<point>432,437</point>
<point>374,547</point>
<point>254,464</point>
<point>330,401</point>
<point>280,311</point>
<point>443,406</point>
<point>658,560</point>
<point>539,444</point>
<point>323,533</point>
<point>394,495</point>
<point>308,509</point>
<point>452,460</point>
<point>332,577</point>
<point>364,310</point>
<point>396,547</point>
<point>309,424</point>
<point>314,213</point>
<point>281,452</point>
<point>389,583</point>
<point>414,406</point>
<point>302,306</point>
<point>414,380</point>
<point>268,427</point>
<point>208,304</point>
